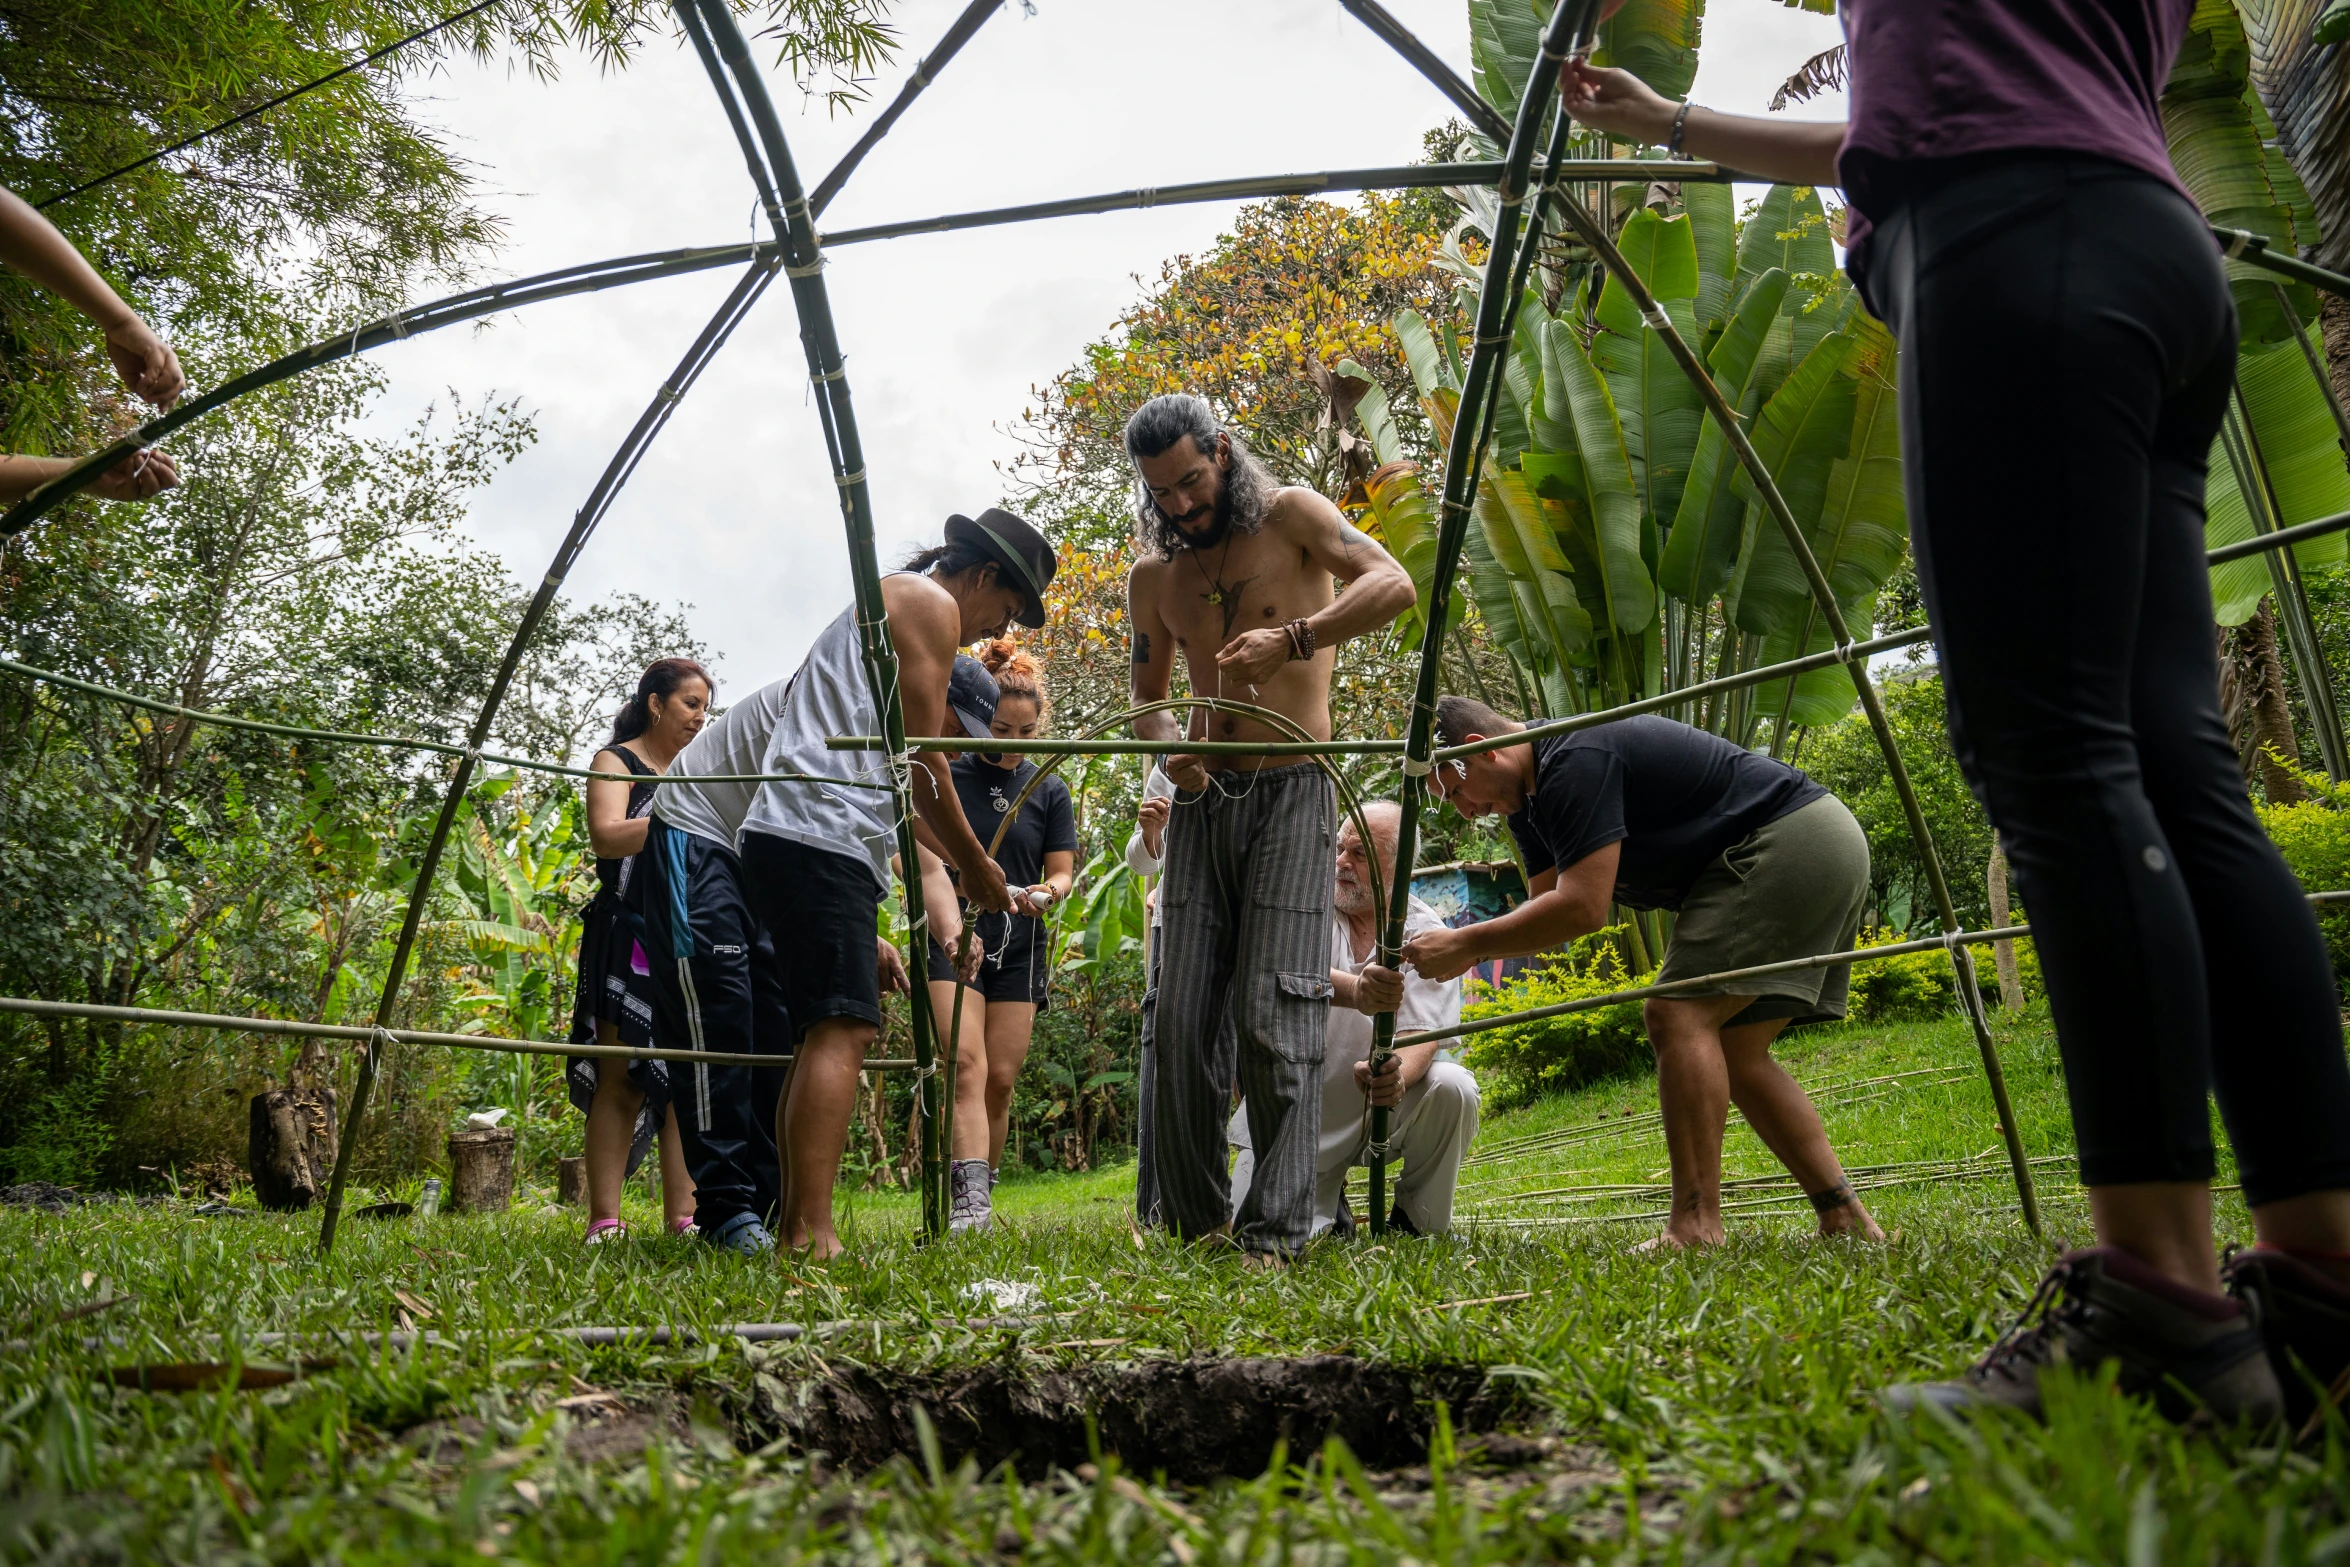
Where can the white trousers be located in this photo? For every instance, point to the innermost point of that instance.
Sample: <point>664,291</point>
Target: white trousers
<point>1433,1129</point>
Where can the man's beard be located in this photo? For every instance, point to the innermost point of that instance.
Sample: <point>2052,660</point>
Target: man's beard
<point>1350,897</point>
<point>1219,521</point>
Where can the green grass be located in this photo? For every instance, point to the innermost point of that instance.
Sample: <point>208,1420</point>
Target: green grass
<point>1708,1408</point>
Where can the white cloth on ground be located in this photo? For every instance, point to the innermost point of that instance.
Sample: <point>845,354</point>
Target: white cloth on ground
<point>1429,1133</point>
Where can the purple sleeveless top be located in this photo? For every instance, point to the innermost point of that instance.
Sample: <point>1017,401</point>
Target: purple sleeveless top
<point>1939,79</point>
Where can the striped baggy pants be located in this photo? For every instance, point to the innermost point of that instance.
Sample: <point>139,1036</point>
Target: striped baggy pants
<point>1246,900</point>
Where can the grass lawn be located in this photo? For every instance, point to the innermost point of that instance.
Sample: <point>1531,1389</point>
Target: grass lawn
<point>1672,1408</point>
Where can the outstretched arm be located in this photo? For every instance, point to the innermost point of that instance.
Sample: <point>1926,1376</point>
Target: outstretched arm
<point>1564,904</point>
<point>31,244</point>
<point>138,477</point>
<point>1795,152</point>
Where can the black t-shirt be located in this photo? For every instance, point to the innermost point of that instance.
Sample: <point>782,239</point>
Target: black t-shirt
<point>1046,822</point>
<point>1674,796</point>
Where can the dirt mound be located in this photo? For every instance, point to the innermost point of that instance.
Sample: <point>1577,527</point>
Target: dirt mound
<point>1195,1420</point>
<point>44,1195</point>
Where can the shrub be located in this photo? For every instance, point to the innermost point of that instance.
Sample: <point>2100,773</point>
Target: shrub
<point>2314,837</point>
<point>1555,1054</point>
<point>1913,988</point>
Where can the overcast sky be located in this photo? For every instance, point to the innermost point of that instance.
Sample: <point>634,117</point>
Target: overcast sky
<point>733,510</point>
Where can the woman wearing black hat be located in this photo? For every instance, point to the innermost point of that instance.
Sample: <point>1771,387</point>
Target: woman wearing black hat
<point>809,863</point>
<point>1038,855</point>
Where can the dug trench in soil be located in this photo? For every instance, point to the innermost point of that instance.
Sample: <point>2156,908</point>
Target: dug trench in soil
<point>1193,1420</point>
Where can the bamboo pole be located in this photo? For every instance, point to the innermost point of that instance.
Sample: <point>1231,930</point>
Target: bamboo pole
<point>926,71</point>
<point>158,1017</point>
<point>1479,385</point>
<point>2246,246</point>
<point>2325,383</point>
<point>1589,230</point>
<point>398,326</point>
<point>2260,501</point>
<point>828,380</point>
<point>616,473</point>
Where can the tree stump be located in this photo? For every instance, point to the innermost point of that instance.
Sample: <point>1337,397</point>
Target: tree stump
<point>571,1181</point>
<point>481,1169</point>
<point>290,1150</point>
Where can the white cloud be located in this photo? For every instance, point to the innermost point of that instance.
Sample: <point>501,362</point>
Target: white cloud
<point>733,510</point>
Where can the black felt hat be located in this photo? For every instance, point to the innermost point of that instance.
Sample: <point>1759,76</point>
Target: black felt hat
<point>1028,561</point>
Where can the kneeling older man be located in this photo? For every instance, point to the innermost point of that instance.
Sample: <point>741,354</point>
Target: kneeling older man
<point>1431,1132</point>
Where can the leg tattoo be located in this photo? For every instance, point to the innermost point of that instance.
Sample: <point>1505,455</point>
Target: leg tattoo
<point>1840,1195</point>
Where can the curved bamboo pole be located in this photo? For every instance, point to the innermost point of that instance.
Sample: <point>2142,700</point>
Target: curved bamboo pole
<point>739,81</point>
<point>738,302</point>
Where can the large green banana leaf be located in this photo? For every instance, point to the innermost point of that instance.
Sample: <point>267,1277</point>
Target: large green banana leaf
<point>1703,546</point>
<point>1801,432</point>
<point>1656,40</point>
<point>1607,481</point>
<point>1375,416</point>
<point>1821,695</point>
<point>1406,520</point>
<point>2224,146</point>
<point>1713,222</point>
<point>1519,528</point>
<point>2298,442</point>
<point>1789,230</point>
<point>1660,409</point>
<point>1861,533</point>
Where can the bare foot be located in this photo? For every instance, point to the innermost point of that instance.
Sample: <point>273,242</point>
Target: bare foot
<point>815,1248</point>
<point>1263,1262</point>
<point>1853,1221</point>
<point>1671,1238</point>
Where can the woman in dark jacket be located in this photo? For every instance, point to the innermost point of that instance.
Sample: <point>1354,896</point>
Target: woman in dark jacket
<point>627,1102</point>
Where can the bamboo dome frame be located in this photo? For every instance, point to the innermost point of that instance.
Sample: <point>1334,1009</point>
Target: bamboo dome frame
<point>796,251</point>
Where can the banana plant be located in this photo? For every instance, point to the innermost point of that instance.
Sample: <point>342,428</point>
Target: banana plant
<point>2224,146</point>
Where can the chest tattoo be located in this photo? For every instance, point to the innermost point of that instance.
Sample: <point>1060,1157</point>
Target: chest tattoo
<point>1227,599</point>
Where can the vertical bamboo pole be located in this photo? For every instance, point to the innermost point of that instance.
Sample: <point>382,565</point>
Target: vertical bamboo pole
<point>1480,387</point>
<point>803,265</point>
<point>1594,235</point>
<point>2260,500</point>
<point>737,304</point>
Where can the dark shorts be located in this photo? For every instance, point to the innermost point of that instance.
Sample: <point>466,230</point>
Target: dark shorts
<point>823,911</point>
<point>1017,965</point>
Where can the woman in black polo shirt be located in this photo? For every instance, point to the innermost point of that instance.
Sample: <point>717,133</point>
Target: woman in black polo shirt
<point>1762,865</point>
<point>1039,859</point>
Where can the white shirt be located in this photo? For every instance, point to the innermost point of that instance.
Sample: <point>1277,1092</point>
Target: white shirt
<point>1139,859</point>
<point>734,742</point>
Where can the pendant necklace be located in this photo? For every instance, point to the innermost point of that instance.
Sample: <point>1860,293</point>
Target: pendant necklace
<point>1217,592</point>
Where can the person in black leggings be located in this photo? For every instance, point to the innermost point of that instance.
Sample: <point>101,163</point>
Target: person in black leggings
<point>2005,164</point>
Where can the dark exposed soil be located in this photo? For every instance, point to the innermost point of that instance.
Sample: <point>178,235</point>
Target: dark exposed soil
<point>1194,1420</point>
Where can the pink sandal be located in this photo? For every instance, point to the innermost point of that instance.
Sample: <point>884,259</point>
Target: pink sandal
<point>684,1226</point>
<point>603,1230</point>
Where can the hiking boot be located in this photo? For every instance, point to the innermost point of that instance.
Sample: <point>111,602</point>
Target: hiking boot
<point>744,1235</point>
<point>2304,1318</point>
<point>1400,1222</point>
<point>2186,1349</point>
<point>969,1208</point>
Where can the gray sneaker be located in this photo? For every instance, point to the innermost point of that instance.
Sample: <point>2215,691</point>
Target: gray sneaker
<point>744,1234</point>
<point>2187,1350</point>
<point>968,1206</point>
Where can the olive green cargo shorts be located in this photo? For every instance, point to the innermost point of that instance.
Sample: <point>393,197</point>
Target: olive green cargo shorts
<point>1792,888</point>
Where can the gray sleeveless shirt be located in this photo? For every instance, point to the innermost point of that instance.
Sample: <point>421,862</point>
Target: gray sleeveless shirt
<point>829,696</point>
